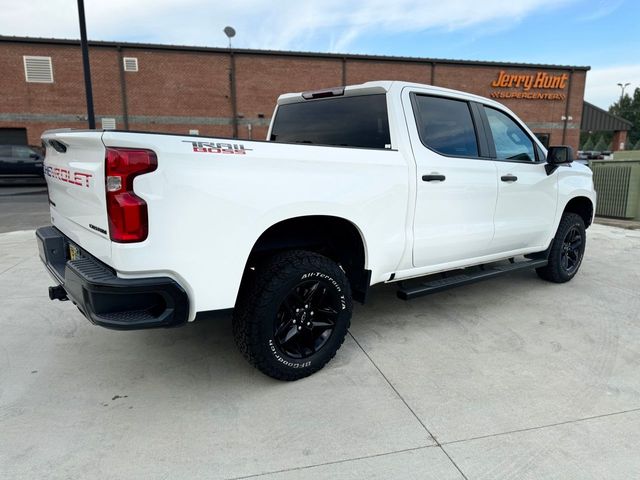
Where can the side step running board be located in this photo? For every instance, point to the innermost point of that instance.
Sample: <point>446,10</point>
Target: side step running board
<point>465,278</point>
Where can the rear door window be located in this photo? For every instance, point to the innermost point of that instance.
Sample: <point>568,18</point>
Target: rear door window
<point>446,126</point>
<point>358,121</point>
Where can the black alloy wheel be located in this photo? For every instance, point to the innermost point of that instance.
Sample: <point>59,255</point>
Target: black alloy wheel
<point>292,314</point>
<point>306,319</point>
<point>571,254</point>
<point>566,250</point>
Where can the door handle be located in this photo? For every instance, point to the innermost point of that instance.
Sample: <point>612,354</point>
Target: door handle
<point>509,178</point>
<point>435,177</point>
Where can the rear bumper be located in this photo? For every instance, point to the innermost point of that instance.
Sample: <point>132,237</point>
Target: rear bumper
<point>105,299</point>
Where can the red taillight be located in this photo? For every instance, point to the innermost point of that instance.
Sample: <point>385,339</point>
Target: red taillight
<point>128,219</point>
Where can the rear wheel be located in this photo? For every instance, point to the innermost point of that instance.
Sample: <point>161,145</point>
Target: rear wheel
<point>292,314</point>
<point>567,250</point>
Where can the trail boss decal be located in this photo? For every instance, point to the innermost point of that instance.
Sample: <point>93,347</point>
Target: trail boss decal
<point>69,176</point>
<point>218,147</point>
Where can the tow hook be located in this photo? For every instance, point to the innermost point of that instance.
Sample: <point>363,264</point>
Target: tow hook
<point>58,293</point>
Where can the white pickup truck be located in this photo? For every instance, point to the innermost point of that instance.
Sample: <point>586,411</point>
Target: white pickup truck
<point>380,182</point>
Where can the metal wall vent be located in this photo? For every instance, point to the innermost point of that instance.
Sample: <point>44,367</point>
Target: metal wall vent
<point>108,123</point>
<point>38,69</point>
<point>130,64</point>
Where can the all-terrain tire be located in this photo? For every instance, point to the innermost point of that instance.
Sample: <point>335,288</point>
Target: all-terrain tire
<point>267,304</point>
<point>567,250</point>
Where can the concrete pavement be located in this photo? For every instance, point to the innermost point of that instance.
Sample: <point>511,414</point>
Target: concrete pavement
<point>510,378</point>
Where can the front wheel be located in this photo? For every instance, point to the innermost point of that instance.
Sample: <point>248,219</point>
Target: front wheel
<point>567,250</point>
<point>293,314</point>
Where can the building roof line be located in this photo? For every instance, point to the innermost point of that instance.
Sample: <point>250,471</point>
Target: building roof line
<point>597,119</point>
<point>289,53</point>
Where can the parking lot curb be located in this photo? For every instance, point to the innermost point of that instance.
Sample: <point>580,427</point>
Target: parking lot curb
<point>620,223</point>
<point>18,193</point>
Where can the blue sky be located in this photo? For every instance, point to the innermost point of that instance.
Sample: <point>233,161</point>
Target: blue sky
<point>593,32</point>
<point>601,33</point>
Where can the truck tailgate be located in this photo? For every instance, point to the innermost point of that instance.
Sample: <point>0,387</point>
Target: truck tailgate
<point>74,170</point>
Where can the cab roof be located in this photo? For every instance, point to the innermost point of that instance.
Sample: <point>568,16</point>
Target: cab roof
<point>377,86</point>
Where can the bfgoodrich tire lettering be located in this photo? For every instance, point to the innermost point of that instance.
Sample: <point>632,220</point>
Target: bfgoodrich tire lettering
<point>293,314</point>
<point>567,250</point>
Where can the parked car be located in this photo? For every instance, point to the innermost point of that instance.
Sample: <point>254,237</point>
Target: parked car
<point>594,155</point>
<point>20,161</point>
<point>393,182</point>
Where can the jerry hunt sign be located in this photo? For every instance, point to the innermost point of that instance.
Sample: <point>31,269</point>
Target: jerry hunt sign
<point>525,83</point>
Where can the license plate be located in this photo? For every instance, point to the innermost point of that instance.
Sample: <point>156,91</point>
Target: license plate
<point>74,252</point>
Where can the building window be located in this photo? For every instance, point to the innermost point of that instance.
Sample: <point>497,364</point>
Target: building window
<point>108,123</point>
<point>130,64</point>
<point>38,69</point>
<point>544,138</point>
<point>15,136</point>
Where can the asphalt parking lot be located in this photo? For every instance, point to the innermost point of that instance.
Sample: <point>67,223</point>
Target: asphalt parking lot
<point>23,204</point>
<point>510,378</point>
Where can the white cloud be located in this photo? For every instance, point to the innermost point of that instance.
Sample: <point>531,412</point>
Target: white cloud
<point>604,8</point>
<point>285,24</point>
<point>331,25</point>
<point>602,89</point>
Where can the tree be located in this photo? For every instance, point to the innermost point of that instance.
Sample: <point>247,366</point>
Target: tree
<point>588,144</point>
<point>602,145</point>
<point>628,107</point>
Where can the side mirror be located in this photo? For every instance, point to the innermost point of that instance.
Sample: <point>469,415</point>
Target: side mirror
<point>556,156</point>
<point>560,155</point>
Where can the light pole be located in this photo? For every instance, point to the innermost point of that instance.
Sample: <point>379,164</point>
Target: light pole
<point>230,33</point>
<point>622,87</point>
<point>85,62</point>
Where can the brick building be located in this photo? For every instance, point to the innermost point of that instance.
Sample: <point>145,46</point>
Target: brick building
<point>217,91</point>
